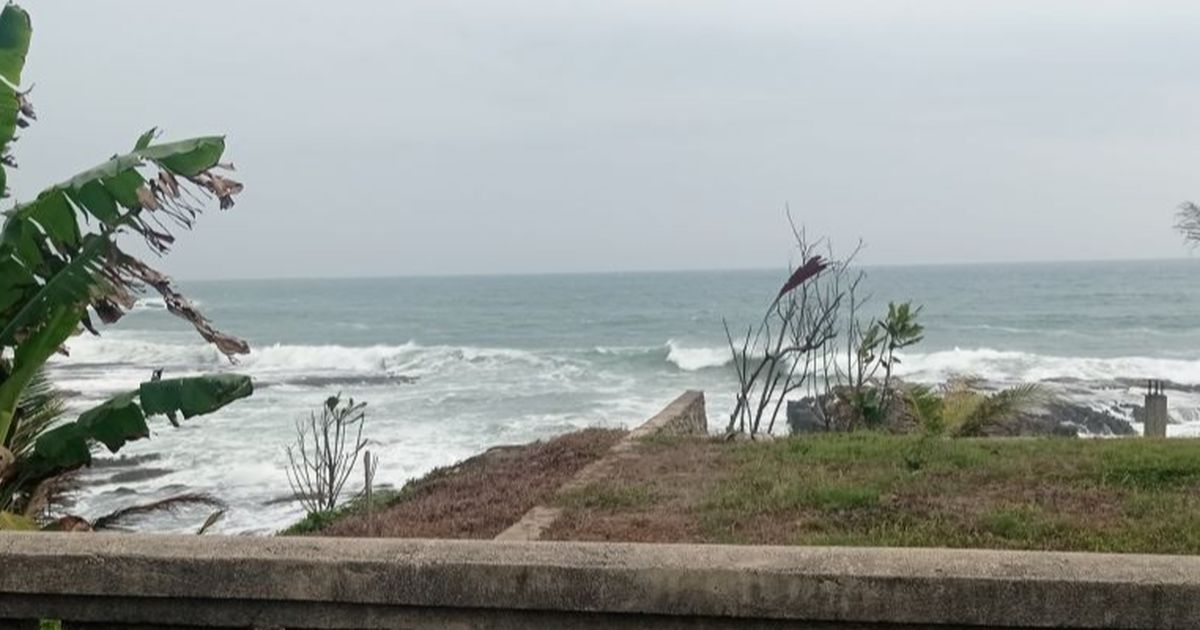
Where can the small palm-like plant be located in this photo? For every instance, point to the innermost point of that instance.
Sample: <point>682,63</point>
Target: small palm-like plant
<point>960,408</point>
<point>41,406</point>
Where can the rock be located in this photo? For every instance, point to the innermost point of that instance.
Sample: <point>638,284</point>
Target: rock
<point>354,379</point>
<point>1061,417</point>
<point>125,461</point>
<point>1093,422</point>
<point>138,474</point>
<point>802,417</point>
<point>1064,419</point>
<point>1042,422</point>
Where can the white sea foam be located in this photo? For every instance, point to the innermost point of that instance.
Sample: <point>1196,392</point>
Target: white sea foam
<point>111,349</point>
<point>1011,366</point>
<point>154,303</point>
<point>625,351</point>
<point>415,359</point>
<point>408,359</point>
<point>696,358</point>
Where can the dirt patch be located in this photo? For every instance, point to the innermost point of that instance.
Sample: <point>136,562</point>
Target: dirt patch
<point>484,495</point>
<point>649,497</point>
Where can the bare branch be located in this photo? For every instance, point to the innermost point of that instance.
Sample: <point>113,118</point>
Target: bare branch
<point>325,452</point>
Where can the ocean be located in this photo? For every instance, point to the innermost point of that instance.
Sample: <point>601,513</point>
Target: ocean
<point>451,366</point>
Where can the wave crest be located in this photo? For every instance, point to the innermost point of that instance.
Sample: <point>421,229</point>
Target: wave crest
<point>694,359</point>
<point>284,360</point>
<point>148,303</point>
<point>1016,366</point>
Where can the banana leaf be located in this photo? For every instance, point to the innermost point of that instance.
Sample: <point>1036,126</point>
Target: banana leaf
<point>123,419</point>
<point>47,265</point>
<point>42,239</point>
<point>15,33</point>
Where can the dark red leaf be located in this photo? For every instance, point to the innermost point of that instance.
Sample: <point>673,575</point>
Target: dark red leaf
<point>808,270</point>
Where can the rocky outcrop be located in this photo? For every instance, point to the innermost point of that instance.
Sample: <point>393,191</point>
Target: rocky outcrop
<point>1057,418</point>
<point>805,415</point>
<point>1088,420</point>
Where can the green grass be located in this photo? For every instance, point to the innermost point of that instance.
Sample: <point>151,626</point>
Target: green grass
<point>605,496</point>
<point>317,521</point>
<point>1126,495</point>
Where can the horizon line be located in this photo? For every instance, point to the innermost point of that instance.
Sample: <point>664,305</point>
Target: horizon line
<point>601,272</point>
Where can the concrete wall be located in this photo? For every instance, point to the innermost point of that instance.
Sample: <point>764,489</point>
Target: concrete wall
<point>684,416</point>
<point>175,581</point>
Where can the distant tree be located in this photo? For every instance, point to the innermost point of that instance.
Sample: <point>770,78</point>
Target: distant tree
<point>1187,221</point>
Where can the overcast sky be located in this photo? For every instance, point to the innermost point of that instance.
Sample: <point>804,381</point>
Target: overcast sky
<point>401,137</point>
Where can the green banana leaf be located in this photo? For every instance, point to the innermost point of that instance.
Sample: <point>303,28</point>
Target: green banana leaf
<point>68,265</point>
<point>15,33</point>
<point>122,419</point>
<point>193,396</point>
<point>46,264</point>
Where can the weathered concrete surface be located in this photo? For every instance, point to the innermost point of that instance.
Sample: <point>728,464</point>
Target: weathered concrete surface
<point>683,416</point>
<point>537,520</point>
<point>1155,417</point>
<point>377,583</point>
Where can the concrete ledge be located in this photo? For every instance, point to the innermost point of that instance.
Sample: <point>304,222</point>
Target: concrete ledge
<point>685,415</point>
<point>344,583</point>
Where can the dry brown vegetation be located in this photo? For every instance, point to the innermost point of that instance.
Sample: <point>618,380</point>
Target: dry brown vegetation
<point>648,498</point>
<point>482,496</point>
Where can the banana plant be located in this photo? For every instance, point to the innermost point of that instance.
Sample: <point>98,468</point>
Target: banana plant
<point>62,270</point>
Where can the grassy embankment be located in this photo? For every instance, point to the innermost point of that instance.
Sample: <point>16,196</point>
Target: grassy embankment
<point>1123,495</point>
<point>476,498</point>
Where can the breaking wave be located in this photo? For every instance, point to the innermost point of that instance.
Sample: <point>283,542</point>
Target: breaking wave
<point>408,359</point>
<point>693,359</point>
<point>1012,366</point>
<point>417,360</point>
<point>155,304</point>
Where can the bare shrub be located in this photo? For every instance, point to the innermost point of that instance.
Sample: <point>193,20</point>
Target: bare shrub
<point>793,342</point>
<point>812,339</point>
<point>324,455</point>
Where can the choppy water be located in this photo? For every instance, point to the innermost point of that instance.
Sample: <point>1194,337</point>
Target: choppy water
<point>511,359</point>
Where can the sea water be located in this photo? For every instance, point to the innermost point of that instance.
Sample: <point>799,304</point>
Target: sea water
<point>451,366</point>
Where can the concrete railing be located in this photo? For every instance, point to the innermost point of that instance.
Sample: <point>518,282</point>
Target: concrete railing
<point>115,581</point>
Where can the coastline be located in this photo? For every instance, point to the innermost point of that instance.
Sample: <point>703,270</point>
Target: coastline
<point>669,482</point>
